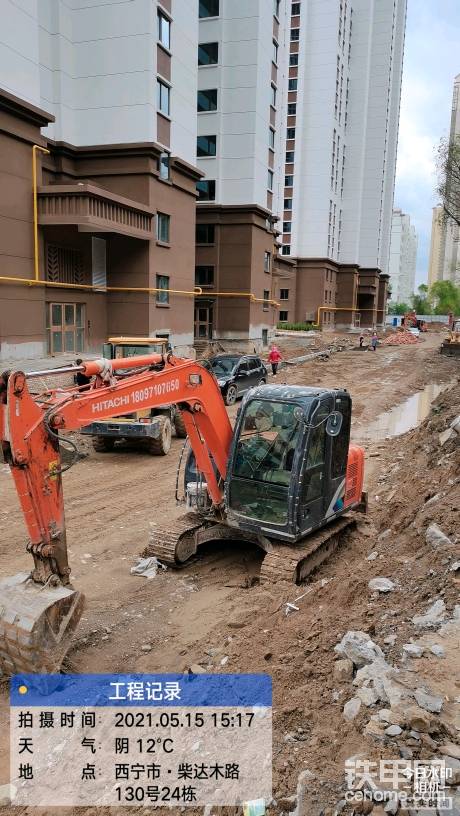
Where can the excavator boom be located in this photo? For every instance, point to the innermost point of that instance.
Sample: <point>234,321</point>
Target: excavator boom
<point>38,612</point>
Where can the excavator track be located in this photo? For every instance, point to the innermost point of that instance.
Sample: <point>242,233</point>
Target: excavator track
<point>175,544</point>
<point>296,563</point>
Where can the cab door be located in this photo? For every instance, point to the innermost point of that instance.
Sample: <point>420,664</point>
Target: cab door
<point>314,480</point>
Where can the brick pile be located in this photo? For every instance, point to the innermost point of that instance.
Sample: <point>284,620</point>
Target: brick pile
<point>404,338</point>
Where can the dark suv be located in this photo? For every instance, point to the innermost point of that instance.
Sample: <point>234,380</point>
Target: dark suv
<point>236,373</point>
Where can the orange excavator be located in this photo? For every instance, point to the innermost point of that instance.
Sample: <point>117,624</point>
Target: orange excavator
<point>282,479</point>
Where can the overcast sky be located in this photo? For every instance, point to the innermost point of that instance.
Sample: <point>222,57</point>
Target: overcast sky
<point>432,60</point>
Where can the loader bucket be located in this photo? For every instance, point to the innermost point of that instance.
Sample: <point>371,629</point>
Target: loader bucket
<point>36,625</point>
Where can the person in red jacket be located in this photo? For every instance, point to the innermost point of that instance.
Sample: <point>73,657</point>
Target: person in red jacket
<point>274,358</point>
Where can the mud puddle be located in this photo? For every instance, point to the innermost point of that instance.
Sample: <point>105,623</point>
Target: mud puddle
<point>407,415</point>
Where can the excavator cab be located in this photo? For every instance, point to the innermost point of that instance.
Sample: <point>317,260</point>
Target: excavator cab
<point>287,470</point>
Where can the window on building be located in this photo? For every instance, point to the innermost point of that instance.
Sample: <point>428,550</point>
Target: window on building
<point>206,190</point>
<point>288,203</point>
<point>289,156</point>
<point>65,327</point>
<point>267,261</point>
<point>275,52</point>
<point>288,181</point>
<point>295,9</point>
<point>163,289</point>
<point>206,146</point>
<point>208,8</point>
<point>163,224</point>
<point>270,180</point>
<point>163,97</point>
<point>292,108</point>
<point>295,34</point>
<point>271,138</point>
<point>208,53</point>
<point>286,249</point>
<point>276,7</point>
<point>290,133</point>
<point>266,299</point>
<point>293,60</point>
<point>283,316</point>
<point>205,233</point>
<point>207,100</point>
<point>273,96</point>
<point>164,166</point>
<point>287,226</point>
<point>204,275</point>
<point>284,294</point>
<point>164,30</point>
<point>292,84</point>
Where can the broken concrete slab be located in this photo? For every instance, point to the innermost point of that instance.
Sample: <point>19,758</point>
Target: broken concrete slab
<point>381,585</point>
<point>433,616</point>
<point>435,537</point>
<point>413,650</point>
<point>359,648</point>
<point>428,701</point>
<point>351,709</point>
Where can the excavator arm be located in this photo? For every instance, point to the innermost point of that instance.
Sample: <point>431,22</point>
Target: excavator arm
<point>29,429</point>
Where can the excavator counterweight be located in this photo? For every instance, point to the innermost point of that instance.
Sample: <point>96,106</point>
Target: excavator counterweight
<point>283,479</point>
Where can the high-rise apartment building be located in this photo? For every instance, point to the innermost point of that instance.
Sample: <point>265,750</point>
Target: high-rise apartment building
<point>403,258</point>
<point>205,168</point>
<point>445,233</point>
<point>107,91</point>
<point>436,263</point>
<point>334,81</point>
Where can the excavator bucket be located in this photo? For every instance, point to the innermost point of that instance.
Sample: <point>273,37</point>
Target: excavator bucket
<point>36,625</point>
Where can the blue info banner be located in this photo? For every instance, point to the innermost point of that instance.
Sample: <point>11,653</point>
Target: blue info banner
<point>80,690</point>
<point>126,739</point>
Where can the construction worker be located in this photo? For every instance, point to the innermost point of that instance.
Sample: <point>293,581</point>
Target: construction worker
<point>361,340</point>
<point>274,358</point>
<point>374,341</point>
<point>81,379</point>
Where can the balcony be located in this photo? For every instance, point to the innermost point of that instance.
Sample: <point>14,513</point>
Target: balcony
<point>93,209</point>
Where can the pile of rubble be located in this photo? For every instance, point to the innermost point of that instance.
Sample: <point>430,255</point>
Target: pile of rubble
<point>404,338</point>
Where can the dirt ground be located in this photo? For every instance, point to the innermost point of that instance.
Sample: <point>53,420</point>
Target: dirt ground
<point>211,608</point>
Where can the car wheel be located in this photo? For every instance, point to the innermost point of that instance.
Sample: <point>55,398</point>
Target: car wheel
<point>262,381</point>
<point>231,395</point>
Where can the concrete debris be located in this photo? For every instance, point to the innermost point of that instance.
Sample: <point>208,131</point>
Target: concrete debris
<point>359,648</point>
<point>343,670</point>
<point>450,749</point>
<point>435,537</point>
<point>381,585</point>
<point>390,640</point>
<point>385,715</point>
<point>455,566</point>
<point>372,556</point>
<point>437,650</point>
<point>446,436</point>
<point>412,650</point>
<point>351,709</point>
<point>146,647</point>
<point>434,615</point>
<point>419,720</point>
<point>195,668</point>
<point>385,534</point>
<point>428,701</point>
<point>393,731</point>
<point>367,695</point>
<point>455,424</point>
<point>456,614</point>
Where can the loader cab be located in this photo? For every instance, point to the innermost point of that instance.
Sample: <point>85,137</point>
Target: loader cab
<point>287,467</point>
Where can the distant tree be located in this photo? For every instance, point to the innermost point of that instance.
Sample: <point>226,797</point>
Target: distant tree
<point>421,302</point>
<point>445,297</point>
<point>448,167</point>
<point>398,308</point>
